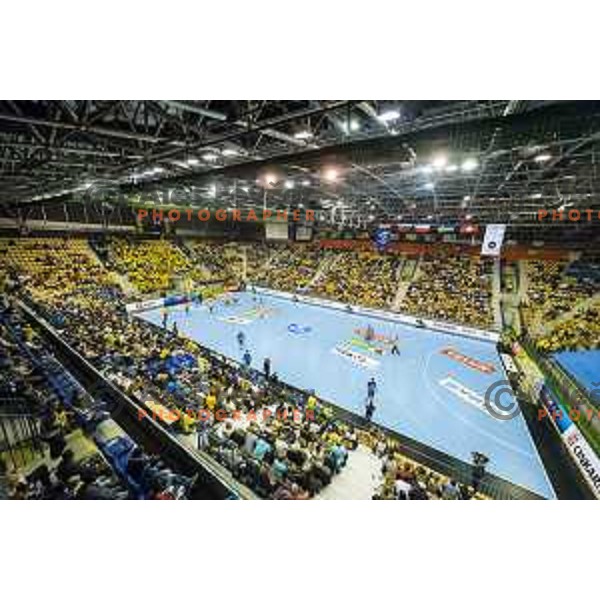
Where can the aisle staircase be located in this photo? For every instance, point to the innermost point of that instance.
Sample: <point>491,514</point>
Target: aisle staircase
<point>579,307</point>
<point>120,279</point>
<point>496,294</point>
<point>324,267</point>
<point>405,279</point>
<point>358,480</point>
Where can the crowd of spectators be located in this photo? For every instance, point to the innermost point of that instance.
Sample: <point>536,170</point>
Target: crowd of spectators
<point>292,268</point>
<point>579,332</point>
<point>285,458</point>
<point>257,257</point>
<point>52,266</point>
<point>216,261</point>
<point>361,278</point>
<point>452,287</point>
<point>27,393</point>
<point>403,479</point>
<point>158,368</point>
<point>551,292</point>
<point>150,265</point>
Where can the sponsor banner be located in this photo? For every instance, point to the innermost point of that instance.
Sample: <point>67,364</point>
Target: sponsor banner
<point>472,363</point>
<point>470,396</point>
<point>145,305</point>
<point>585,457</point>
<point>236,320</point>
<point>382,237</point>
<point>248,316</point>
<point>471,332</point>
<point>358,359</point>
<point>298,329</point>
<point>173,300</point>
<point>558,414</point>
<point>469,229</point>
<point>464,393</point>
<point>509,363</point>
<point>492,242</point>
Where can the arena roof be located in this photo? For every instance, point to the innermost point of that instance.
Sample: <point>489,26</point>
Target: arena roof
<point>359,161</point>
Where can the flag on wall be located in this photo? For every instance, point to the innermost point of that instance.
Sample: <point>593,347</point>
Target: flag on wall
<point>492,242</point>
<point>382,237</point>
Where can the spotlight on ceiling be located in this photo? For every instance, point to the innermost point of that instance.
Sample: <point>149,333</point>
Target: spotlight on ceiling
<point>210,157</point>
<point>540,158</point>
<point>289,184</point>
<point>354,126</point>
<point>388,115</point>
<point>305,134</point>
<point>470,164</point>
<point>439,162</point>
<point>330,175</point>
<point>270,180</point>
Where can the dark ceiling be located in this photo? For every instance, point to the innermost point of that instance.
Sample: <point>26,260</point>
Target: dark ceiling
<point>354,161</point>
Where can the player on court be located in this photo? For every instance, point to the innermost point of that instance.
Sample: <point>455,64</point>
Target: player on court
<point>371,389</point>
<point>241,338</point>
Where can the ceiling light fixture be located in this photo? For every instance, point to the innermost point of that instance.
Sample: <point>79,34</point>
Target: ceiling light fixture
<point>388,115</point>
<point>330,175</point>
<point>470,164</point>
<point>439,162</point>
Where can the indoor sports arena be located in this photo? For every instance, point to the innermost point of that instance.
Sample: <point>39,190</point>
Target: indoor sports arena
<point>299,300</point>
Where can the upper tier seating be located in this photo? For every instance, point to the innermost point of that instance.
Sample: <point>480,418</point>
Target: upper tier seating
<point>551,292</point>
<point>452,288</point>
<point>216,261</point>
<point>150,265</point>
<point>292,268</point>
<point>361,278</point>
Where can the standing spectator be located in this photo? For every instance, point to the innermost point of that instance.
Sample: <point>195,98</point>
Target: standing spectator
<point>450,491</point>
<point>267,367</point>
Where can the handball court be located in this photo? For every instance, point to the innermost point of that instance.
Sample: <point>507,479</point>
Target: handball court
<point>432,392</point>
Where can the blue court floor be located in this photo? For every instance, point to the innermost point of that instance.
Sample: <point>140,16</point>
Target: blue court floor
<point>584,365</point>
<point>428,393</point>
